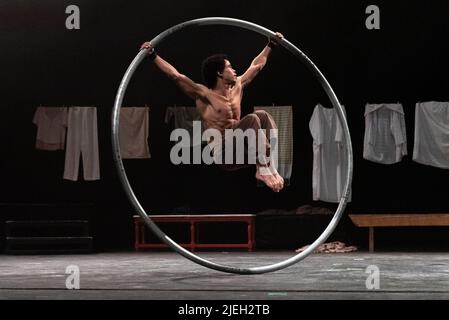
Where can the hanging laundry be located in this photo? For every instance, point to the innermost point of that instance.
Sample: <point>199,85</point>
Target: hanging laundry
<point>329,155</point>
<point>385,135</point>
<point>283,116</point>
<point>183,119</point>
<point>51,125</point>
<point>82,139</point>
<point>432,134</point>
<point>133,134</point>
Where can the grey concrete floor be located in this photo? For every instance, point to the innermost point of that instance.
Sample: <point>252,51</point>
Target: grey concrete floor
<point>168,276</point>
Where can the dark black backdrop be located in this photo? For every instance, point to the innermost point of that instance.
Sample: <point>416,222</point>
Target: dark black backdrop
<point>41,62</point>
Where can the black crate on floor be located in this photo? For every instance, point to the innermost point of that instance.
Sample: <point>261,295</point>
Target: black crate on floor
<point>49,236</point>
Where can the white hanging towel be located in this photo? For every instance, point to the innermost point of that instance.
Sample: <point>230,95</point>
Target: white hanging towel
<point>51,125</point>
<point>329,155</point>
<point>385,135</point>
<point>133,134</point>
<point>432,134</point>
<point>82,139</point>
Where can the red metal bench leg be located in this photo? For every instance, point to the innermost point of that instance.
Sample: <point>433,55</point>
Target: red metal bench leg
<point>251,238</point>
<point>137,235</point>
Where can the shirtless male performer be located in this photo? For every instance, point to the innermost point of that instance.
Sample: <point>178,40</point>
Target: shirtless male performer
<point>219,100</point>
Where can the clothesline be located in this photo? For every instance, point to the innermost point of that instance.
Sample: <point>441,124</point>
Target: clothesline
<point>385,137</point>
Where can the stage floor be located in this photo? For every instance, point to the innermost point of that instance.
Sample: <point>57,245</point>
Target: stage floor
<point>168,276</point>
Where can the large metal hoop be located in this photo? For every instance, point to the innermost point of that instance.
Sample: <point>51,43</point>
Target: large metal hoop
<point>124,180</point>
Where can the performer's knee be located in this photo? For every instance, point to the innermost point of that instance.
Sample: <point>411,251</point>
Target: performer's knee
<point>261,114</point>
<point>264,117</point>
<point>252,121</point>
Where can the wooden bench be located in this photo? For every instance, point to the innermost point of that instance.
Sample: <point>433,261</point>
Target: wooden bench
<point>193,220</point>
<point>398,220</point>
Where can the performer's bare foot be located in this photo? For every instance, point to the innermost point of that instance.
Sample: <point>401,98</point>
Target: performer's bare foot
<point>270,177</point>
<point>277,176</point>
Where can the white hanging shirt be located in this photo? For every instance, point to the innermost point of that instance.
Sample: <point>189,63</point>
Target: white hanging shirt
<point>329,155</point>
<point>51,125</point>
<point>432,134</point>
<point>385,136</point>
